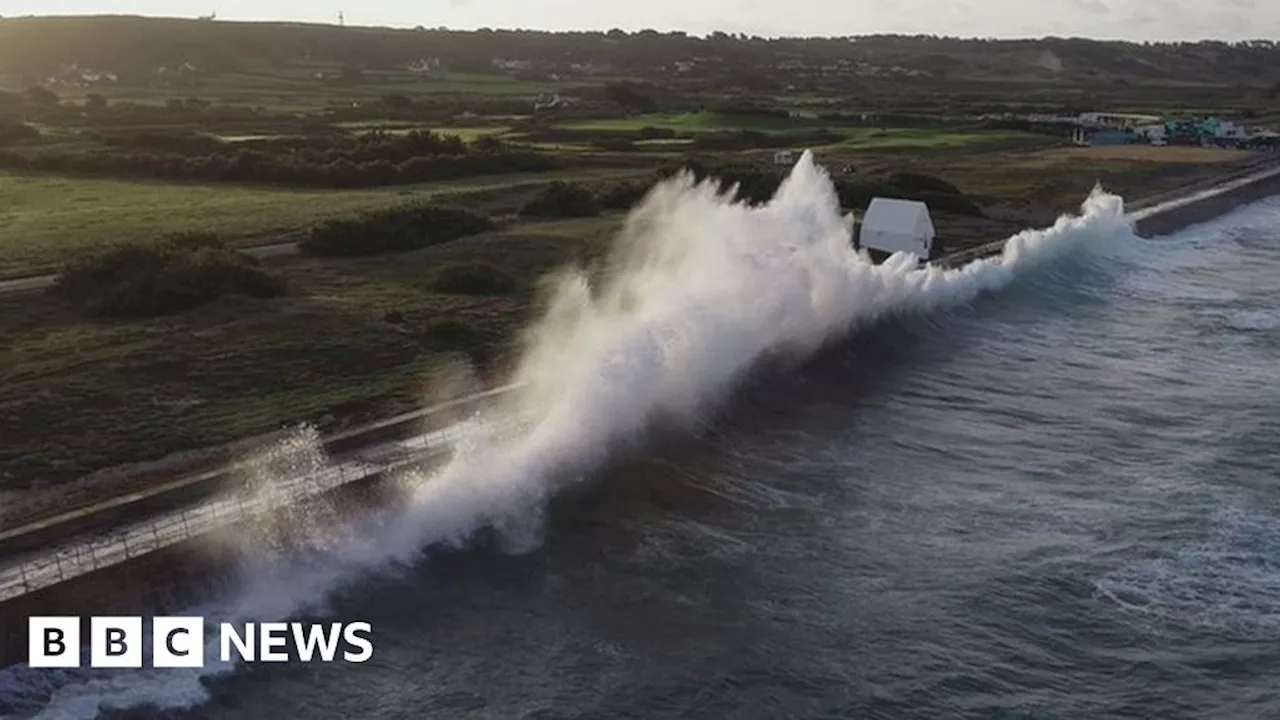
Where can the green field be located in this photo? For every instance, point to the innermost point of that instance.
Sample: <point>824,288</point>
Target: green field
<point>240,367</point>
<point>875,139</point>
<point>300,91</point>
<point>45,219</point>
<point>870,139</point>
<point>704,121</point>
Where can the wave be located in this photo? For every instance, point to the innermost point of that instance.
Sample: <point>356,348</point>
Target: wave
<point>699,290</point>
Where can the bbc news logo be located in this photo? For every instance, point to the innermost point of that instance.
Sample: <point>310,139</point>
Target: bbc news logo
<point>179,642</point>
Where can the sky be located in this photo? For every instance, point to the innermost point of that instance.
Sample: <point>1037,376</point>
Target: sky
<point>1109,19</point>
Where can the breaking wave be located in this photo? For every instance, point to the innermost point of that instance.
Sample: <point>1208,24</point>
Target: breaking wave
<point>699,289</point>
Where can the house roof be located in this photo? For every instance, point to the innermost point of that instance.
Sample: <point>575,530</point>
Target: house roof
<point>898,216</point>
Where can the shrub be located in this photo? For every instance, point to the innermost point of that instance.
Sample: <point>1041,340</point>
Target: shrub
<point>918,182</point>
<point>145,280</point>
<point>393,230</point>
<point>318,160</point>
<point>614,144</point>
<point>648,132</point>
<point>473,279</point>
<point>13,132</point>
<point>193,239</point>
<point>562,200</point>
<point>944,202</point>
<point>622,196</point>
<point>451,333</point>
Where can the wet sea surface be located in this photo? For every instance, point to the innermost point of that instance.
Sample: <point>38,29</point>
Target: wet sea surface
<point>1061,501</point>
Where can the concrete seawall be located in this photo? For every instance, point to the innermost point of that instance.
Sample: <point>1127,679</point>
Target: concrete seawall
<point>168,573</point>
<point>1164,218</point>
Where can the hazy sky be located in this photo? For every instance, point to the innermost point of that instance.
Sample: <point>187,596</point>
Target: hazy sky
<point>1128,19</point>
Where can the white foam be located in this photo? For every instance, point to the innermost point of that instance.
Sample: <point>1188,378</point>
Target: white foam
<point>1254,320</point>
<point>1226,582</point>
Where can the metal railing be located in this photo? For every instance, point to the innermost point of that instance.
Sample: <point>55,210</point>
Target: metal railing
<point>87,553</point>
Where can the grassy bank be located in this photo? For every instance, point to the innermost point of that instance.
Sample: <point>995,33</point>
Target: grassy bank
<point>79,394</point>
<point>46,219</point>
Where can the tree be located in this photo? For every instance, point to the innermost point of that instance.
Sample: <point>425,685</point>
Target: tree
<point>629,97</point>
<point>396,101</point>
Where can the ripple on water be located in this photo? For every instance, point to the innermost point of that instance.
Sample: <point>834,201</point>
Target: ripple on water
<point>1228,582</point>
<point>1254,320</point>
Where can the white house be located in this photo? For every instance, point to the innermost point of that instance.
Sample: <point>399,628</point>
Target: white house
<point>891,225</point>
<point>784,157</point>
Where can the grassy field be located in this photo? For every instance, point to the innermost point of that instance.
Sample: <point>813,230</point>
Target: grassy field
<point>240,367</point>
<point>704,121</point>
<point>299,91</point>
<point>45,219</point>
<point>894,139</point>
<point>857,137</point>
<point>1058,180</point>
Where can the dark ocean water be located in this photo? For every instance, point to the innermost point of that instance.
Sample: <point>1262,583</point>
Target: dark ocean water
<point>1058,502</point>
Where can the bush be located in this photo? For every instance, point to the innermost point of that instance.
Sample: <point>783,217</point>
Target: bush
<point>614,144</point>
<point>451,334</point>
<point>622,196</point>
<point>145,280</point>
<point>13,132</point>
<point>193,239</point>
<point>917,182</point>
<point>318,160</point>
<point>648,132</point>
<point>562,200</point>
<point>944,202</point>
<point>393,230</point>
<point>473,279</point>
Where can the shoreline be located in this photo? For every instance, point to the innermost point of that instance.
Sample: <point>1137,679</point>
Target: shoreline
<point>1159,215</point>
<point>61,562</point>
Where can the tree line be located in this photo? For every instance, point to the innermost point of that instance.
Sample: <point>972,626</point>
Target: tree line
<point>330,161</point>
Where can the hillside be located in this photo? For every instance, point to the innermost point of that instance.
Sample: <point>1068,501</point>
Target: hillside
<point>135,48</point>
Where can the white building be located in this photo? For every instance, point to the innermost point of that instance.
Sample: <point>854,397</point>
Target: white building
<point>784,158</point>
<point>891,225</point>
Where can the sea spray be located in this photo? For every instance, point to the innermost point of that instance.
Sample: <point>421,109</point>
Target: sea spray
<point>700,289</point>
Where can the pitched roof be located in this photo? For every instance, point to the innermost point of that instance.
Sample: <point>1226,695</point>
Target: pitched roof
<point>899,216</point>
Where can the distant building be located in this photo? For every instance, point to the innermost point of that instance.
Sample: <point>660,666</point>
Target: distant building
<point>784,157</point>
<point>423,66</point>
<point>1154,134</point>
<point>548,102</point>
<point>891,226</point>
<point>511,65</point>
<point>1116,120</point>
<point>1107,138</point>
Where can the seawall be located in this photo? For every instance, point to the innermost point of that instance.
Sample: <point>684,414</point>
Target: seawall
<point>1165,217</point>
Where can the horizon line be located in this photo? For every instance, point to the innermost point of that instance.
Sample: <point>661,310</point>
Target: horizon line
<point>634,31</point>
